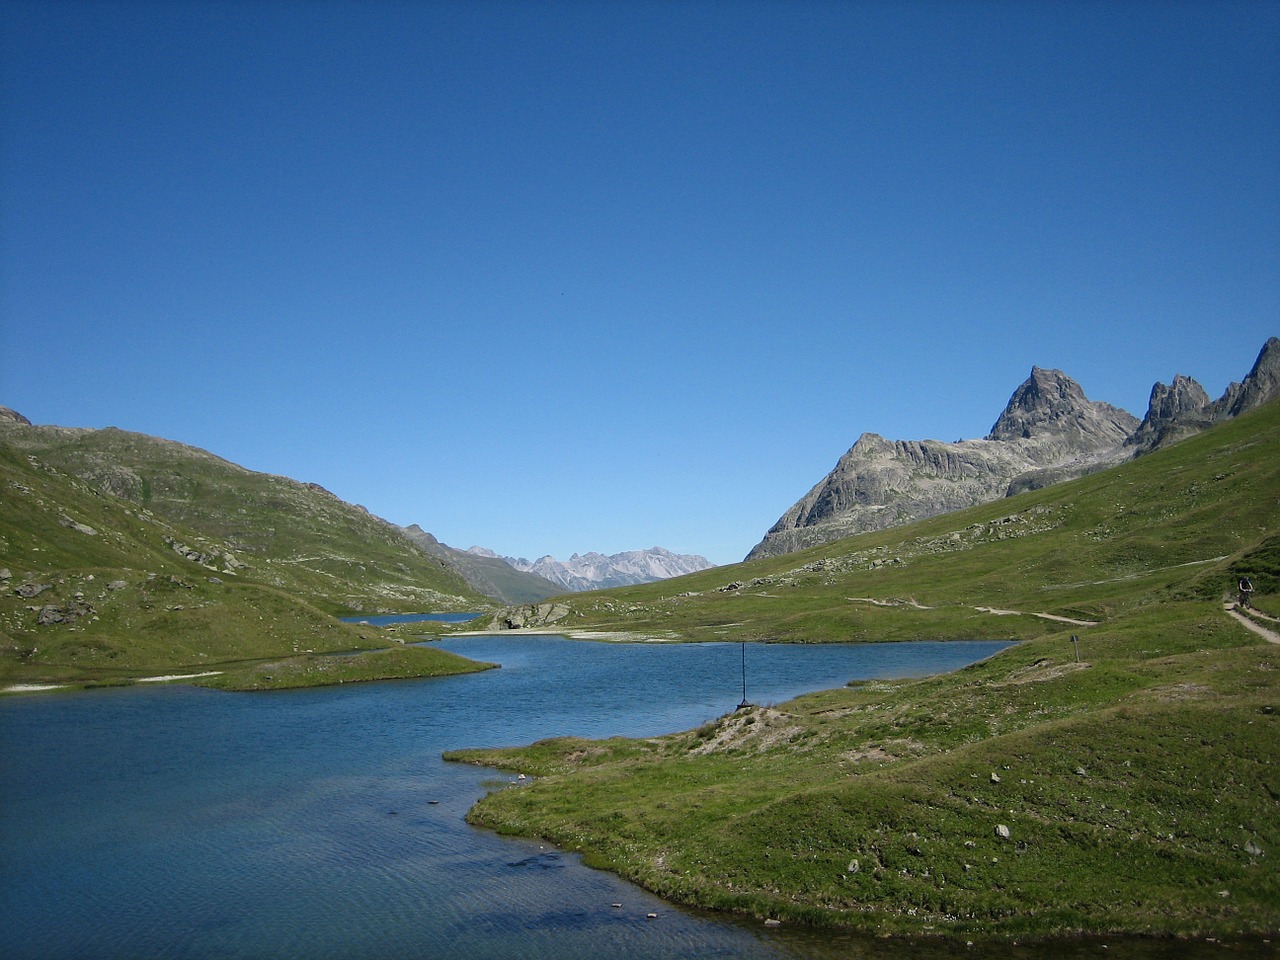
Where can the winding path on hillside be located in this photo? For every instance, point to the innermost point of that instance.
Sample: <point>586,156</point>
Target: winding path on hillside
<point>1269,635</point>
<point>991,610</point>
<point>1042,616</point>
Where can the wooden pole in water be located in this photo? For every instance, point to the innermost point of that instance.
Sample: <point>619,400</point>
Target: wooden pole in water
<point>743,705</point>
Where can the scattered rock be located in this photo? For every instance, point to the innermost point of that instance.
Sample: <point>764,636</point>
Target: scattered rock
<point>190,553</point>
<point>773,923</point>
<point>995,777</point>
<point>854,866</point>
<point>1002,831</point>
<point>77,527</point>
<point>31,589</point>
<point>51,613</point>
<point>5,574</point>
<point>1081,772</point>
<point>1252,849</point>
<point>531,615</point>
<point>117,585</point>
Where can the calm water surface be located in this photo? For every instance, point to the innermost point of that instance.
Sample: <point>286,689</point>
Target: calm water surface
<point>186,823</point>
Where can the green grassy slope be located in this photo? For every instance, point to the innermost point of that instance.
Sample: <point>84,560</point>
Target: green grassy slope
<point>1134,790</point>
<point>142,555</point>
<point>295,536</point>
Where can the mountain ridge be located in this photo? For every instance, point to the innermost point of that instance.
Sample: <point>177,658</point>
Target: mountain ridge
<point>1048,432</point>
<point>596,571</point>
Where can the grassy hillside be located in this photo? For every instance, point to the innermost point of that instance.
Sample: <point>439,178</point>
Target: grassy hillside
<point>128,555</point>
<point>1135,789</point>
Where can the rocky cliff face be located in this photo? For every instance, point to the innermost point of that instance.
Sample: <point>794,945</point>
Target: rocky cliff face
<point>1174,411</point>
<point>1183,408</point>
<point>595,571</point>
<point>1049,432</point>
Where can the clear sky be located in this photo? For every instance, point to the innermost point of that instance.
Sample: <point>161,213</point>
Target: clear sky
<point>552,277</point>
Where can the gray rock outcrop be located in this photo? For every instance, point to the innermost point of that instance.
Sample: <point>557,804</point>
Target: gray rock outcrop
<point>69,612</point>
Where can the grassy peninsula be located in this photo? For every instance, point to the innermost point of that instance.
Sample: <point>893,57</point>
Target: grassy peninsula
<point>1125,783</point>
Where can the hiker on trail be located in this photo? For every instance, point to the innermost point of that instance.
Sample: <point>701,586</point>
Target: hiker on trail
<point>1246,591</point>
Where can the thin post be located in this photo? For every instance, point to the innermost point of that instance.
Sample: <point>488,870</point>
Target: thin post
<point>744,703</point>
<point>1076,641</point>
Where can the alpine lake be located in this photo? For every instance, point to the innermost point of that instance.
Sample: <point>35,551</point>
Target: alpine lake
<point>169,821</point>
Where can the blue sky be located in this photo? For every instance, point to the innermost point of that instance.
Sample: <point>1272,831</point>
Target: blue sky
<point>558,277</point>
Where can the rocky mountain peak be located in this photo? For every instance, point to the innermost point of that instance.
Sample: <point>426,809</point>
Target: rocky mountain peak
<point>13,416</point>
<point>1052,410</point>
<point>1182,401</point>
<point>1044,398</point>
<point>1183,408</point>
<point>1262,383</point>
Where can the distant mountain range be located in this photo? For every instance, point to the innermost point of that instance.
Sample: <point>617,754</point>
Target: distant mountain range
<point>486,572</point>
<point>1048,432</point>
<point>516,580</point>
<point>595,571</point>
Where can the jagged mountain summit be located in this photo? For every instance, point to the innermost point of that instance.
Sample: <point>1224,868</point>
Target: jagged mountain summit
<point>595,571</point>
<point>1183,408</point>
<point>1049,432</point>
<point>1051,414</point>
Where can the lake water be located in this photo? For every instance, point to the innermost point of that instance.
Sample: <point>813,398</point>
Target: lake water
<point>186,823</point>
